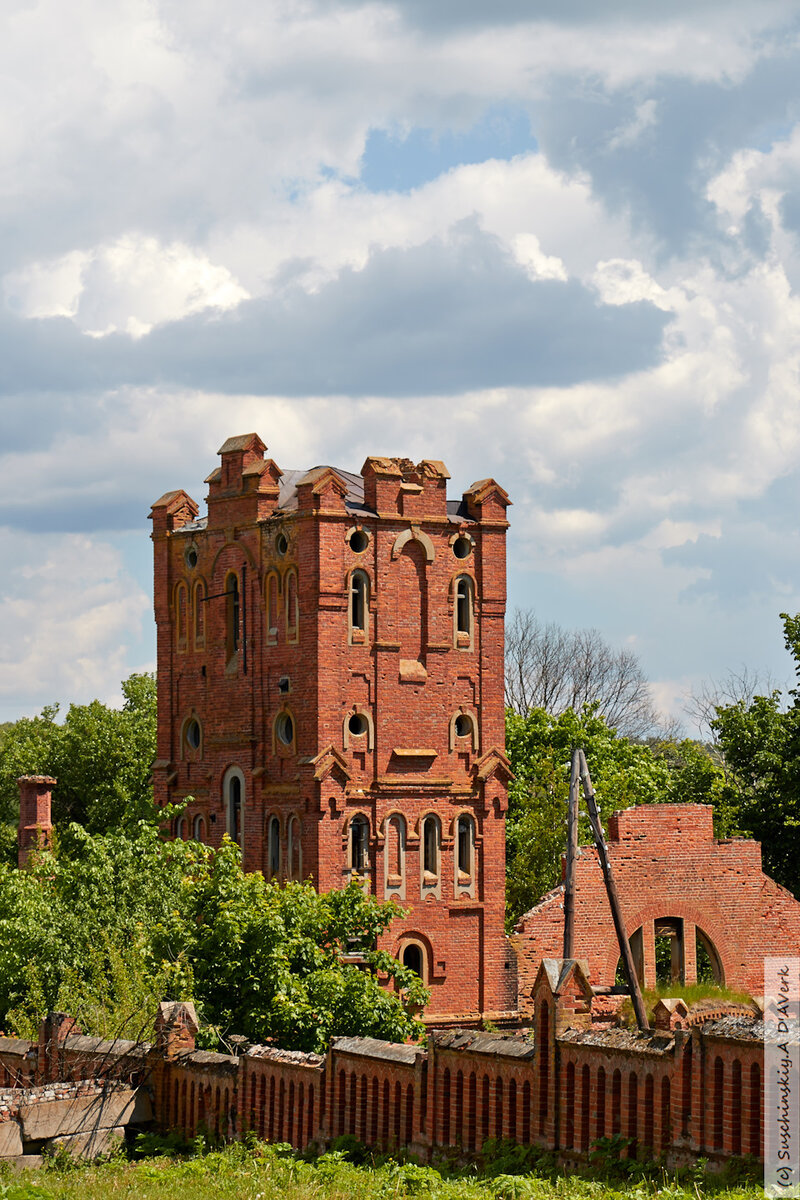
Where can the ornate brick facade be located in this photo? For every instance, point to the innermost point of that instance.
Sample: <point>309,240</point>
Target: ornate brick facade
<point>330,692</point>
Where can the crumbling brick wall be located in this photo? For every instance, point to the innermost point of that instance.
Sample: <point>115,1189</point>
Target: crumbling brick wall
<point>667,864</point>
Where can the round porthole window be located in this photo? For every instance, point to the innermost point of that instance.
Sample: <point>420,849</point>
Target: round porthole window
<point>281,544</point>
<point>462,547</point>
<point>193,735</point>
<point>463,725</point>
<point>359,541</point>
<point>285,729</point>
<point>191,556</point>
<point>357,725</point>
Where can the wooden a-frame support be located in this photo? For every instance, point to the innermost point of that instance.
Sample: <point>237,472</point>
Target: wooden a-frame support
<point>580,777</point>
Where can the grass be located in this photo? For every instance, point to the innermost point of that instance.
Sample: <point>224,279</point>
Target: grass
<point>259,1172</point>
<point>691,993</point>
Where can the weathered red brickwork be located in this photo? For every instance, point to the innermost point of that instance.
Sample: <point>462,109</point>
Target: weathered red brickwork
<point>671,873</point>
<point>35,823</point>
<point>330,658</point>
<point>676,1094</point>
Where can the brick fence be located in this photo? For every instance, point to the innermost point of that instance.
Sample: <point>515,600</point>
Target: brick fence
<point>678,1092</point>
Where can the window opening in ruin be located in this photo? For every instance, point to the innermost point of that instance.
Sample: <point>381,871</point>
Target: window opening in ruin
<point>283,685</point>
<point>191,557</point>
<point>669,948</point>
<point>412,958</point>
<point>284,728</point>
<point>358,724</point>
<point>272,607</point>
<point>199,614</point>
<point>181,604</point>
<point>292,607</point>
<point>359,541</point>
<point>274,846</point>
<point>359,593</point>
<point>235,808</point>
<point>281,544</point>
<point>463,725</point>
<point>709,966</point>
<point>232,614</point>
<point>463,609</point>
<point>464,842</point>
<point>199,829</point>
<point>430,846</point>
<point>395,847</point>
<point>193,735</point>
<point>462,547</point>
<point>295,850</point>
<point>359,839</point>
<point>181,828</point>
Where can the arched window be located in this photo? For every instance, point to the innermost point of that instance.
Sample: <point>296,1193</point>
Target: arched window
<point>295,850</point>
<point>463,731</point>
<point>465,849</point>
<point>274,847</point>
<point>181,616</point>
<point>232,615</point>
<point>271,592</point>
<point>463,611</point>
<point>359,605</point>
<point>292,606</point>
<point>359,845</point>
<point>413,958</point>
<point>199,605</point>
<point>233,792</point>
<point>181,829</point>
<point>430,850</point>
<point>199,828</point>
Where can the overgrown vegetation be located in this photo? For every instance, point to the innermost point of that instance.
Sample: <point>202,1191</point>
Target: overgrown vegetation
<point>100,756</point>
<point>257,1172</point>
<point>107,925</point>
<point>624,773</point>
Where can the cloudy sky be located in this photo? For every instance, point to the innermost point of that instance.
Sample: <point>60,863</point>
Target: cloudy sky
<point>562,249</point>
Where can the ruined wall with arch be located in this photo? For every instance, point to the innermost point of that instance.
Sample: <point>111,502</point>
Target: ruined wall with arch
<point>675,880</point>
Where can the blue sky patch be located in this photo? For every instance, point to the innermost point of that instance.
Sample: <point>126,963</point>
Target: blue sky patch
<point>396,161</point>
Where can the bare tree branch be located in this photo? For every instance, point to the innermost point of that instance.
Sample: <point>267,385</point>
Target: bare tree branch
<point>554,668</point>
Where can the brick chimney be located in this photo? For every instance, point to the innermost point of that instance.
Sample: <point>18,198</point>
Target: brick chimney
<point>35,822</point>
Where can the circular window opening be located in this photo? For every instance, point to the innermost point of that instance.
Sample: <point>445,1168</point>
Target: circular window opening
<point>193,735</point>
<point>285,729</point>
<point>191,556</point>
<point>357,724</point>
<point>359,541</point>
<point>412,958</point>
<point>462,547</point>
<point>463,726</point>
<point>281,544</point>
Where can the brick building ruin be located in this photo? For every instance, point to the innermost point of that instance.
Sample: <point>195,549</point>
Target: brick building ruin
<point>677,882</point>
<point>330,693</point>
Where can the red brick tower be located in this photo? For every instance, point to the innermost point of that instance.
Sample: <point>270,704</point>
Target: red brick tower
<point>330,693</point>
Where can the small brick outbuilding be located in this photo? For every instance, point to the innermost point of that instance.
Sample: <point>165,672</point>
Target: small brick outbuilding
<point>675,881</point>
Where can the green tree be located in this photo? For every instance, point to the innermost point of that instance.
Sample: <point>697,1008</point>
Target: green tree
<point>759,739</point>
<point>624,773</point>
<point>107,925</point>
<point>100,756</point>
